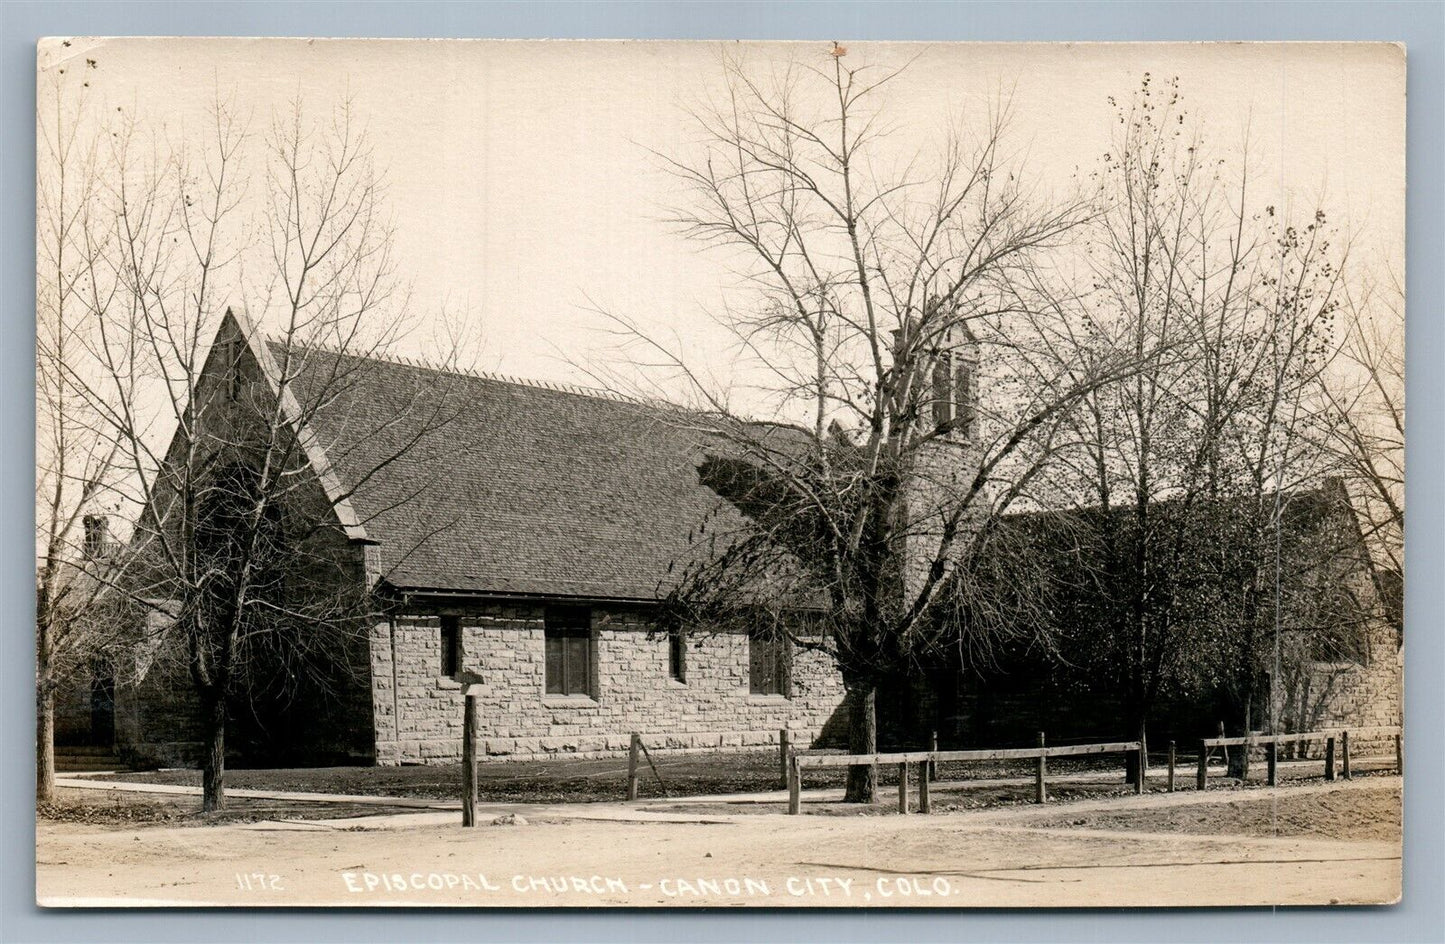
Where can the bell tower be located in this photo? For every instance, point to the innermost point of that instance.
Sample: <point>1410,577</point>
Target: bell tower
<point>943,456</point>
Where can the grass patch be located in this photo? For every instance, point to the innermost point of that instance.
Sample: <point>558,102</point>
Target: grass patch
<point>574,780</point>
<point>564,780</point>
<point>131,809</point>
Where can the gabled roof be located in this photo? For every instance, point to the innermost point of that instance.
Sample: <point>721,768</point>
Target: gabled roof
<point>513,488</point>
<point>1069,550</point>
<point>1302,512</point>
<point>238,324</point>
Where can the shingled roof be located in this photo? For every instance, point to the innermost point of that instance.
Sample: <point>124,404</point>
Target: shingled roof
<point>515,488</point>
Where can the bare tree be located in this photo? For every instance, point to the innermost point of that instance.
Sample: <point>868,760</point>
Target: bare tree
<point>1366,394</point>
<point>1169,266</point>
<point>1272,449</point>
<point>1192,460</point>
<point>247,549</point>
<point>889,289</point>
<point>74,465</point>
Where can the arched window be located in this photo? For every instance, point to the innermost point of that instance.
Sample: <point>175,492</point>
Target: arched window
<point>964,398</point>
<point>943,392</point>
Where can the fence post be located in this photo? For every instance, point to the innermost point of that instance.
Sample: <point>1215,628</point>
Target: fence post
<point>933,764</point>
<point>1271,761</point>
<point>1345,752</point>
<point>1400,754</point>
<point>785,747</point>
<point>1224,748</point>
<point>1143,765</point>
<point>632,766</point>
<point>1330,758</point>
<point>1171,766</point>
<point>1041,790</point>
<point>1202,778</point>
<point>924,804</point>
<point>469,760</point>
<point>795,785</point>
<point>903,788</point>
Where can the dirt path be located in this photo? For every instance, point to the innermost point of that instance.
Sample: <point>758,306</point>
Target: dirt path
<point>1014,857</point>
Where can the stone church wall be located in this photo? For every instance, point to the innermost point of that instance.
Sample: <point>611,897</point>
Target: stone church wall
<point>419,711</point>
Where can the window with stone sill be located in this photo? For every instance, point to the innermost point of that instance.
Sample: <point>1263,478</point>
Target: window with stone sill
<point>769,665</point>
<point>569,651</point>
<point>450,646</point>
<point>677,656</point>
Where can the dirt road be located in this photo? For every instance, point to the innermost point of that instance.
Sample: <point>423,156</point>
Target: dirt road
<point>1044,856</point>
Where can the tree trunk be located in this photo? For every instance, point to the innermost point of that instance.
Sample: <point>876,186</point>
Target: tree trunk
<point>1239,758</point>
<point>862,739</point>
<point>213,765</point>
<point>1131,759</point>
<point>44,743</point>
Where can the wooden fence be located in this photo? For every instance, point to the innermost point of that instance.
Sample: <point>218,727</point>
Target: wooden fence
<point>927,761</point>
<point>794,762</point>
<point>1271,743</point>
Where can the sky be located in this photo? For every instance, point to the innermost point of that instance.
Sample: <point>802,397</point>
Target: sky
<point>525,194</point>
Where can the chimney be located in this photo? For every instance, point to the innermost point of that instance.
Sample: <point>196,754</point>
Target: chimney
<point>96,537</point>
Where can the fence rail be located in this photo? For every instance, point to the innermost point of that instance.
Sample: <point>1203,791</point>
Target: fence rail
<point>1271,743</point>
<point>1251,740</point>
<point>928,761</point>
<point>819,759</point>
<point>794,762</point>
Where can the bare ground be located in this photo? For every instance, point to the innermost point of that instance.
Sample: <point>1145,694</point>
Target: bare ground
<point>1214,848</point>
<point>1352,816</point>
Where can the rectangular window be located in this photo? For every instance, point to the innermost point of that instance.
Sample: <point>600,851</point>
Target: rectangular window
<point>942,391</point>
<point>963,395</point>
<point>768,665</point>
<point>677,655</point>
<point>450,646</point>
<point>568,631</point>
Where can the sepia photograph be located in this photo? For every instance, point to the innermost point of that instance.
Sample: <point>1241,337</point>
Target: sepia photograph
<point>676,474</point>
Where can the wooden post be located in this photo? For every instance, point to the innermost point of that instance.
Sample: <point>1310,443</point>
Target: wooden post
<point>785,748</point>
<point>1271,760</point>
<point>924,804</point>
<point>795,785</point>
<point>1400,755</point>
<point>1329,758</point>
<point>1201,780</point>
<point>1171,766</point>
<point>632,766</point>
<point>1345,752</point>
<point>933,764</point>
<point>1041,790</point>
<point>469,760</point>
<point>903,788</point>
<point>1142,769</point>
<point>1224,748</point>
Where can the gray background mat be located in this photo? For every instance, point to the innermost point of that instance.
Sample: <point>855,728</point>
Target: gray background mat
<point>1421,26</point>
